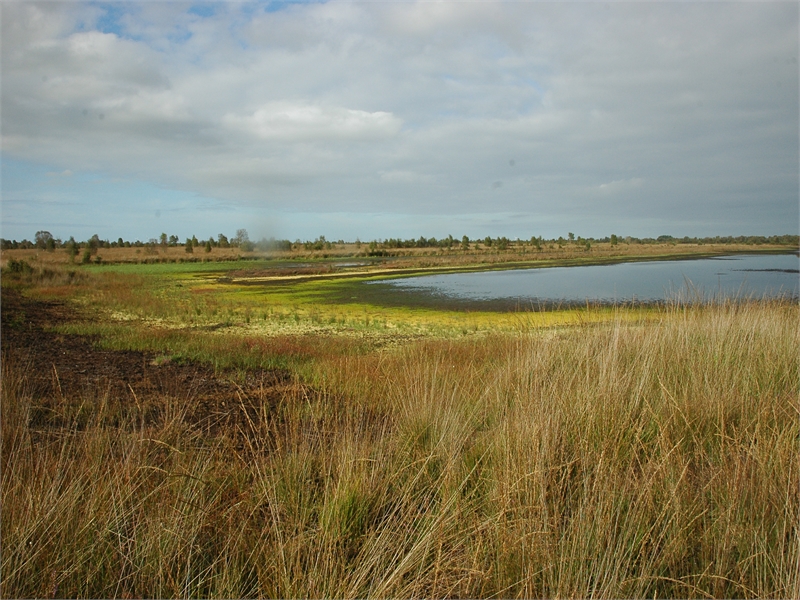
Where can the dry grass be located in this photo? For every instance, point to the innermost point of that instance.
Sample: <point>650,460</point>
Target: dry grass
<point>615,460</point>
<point>405,257</point>
<point>145,255</point>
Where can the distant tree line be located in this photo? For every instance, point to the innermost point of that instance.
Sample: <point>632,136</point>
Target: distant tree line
<point>44,240</point>
<point>503,243</point>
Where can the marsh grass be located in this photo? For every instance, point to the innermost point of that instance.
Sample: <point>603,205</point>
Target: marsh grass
<point>154,309</point>
<point>622,459</point>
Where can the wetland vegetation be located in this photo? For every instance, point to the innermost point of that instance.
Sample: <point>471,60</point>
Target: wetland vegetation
<point>274,427</point>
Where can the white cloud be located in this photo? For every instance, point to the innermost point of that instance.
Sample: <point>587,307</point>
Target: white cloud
<point>301,122</point>
<point>619,186</point>
<point>341,104</point>
<point>397,176</point>
<point>66,173</point>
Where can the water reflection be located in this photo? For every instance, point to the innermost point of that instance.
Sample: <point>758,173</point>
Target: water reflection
<point>742,276</point>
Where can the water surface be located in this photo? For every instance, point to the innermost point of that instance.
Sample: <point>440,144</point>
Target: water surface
<point>740,276</point>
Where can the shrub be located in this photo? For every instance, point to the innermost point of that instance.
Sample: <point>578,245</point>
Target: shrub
<point>19,267</point>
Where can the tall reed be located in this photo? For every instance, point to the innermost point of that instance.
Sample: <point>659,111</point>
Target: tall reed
<point>617,460</point>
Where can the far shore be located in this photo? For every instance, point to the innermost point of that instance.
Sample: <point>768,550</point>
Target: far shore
<point>302,265</point>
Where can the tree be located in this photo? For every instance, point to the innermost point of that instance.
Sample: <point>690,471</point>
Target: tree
<point>72,248</point>
<point>164,239</point>
<point>571,236</point>
<point>465,243</point>
<point>42,238</point>
<point>189,247</point>
<point>208,245</point>
<point>240,238</point>
<point>223,241</point>
<point>614,239</point>
<point>93,244</point>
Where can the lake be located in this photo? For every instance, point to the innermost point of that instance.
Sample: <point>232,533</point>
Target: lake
<point>739,276</point>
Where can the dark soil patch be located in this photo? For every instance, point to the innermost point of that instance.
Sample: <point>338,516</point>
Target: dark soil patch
<point>73,369</point>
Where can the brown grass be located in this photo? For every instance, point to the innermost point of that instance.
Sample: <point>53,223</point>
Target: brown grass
<point>616,461</point>
<point>403,257</point>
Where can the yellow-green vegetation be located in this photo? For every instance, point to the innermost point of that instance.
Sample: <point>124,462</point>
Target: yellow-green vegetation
<point>594,452</point>
<point>152,298</point>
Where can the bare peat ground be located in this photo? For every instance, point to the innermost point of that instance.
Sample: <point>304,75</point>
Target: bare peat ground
<point>74,369</point>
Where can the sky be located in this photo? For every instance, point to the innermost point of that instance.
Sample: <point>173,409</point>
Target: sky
<point>398,119</point>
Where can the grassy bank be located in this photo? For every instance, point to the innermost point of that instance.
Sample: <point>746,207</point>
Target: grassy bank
<point>456,257</point>
<point>613,457</point>
<point>172,308</point>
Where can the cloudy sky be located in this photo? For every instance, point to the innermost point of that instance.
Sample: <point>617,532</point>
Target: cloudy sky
<point>399,119</point>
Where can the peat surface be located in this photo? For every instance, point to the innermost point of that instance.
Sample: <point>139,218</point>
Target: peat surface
<point>62,368</point>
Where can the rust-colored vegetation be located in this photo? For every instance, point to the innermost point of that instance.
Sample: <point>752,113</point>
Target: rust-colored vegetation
<point>618,458</point>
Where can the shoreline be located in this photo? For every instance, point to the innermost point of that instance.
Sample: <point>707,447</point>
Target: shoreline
<point>385,274</point>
